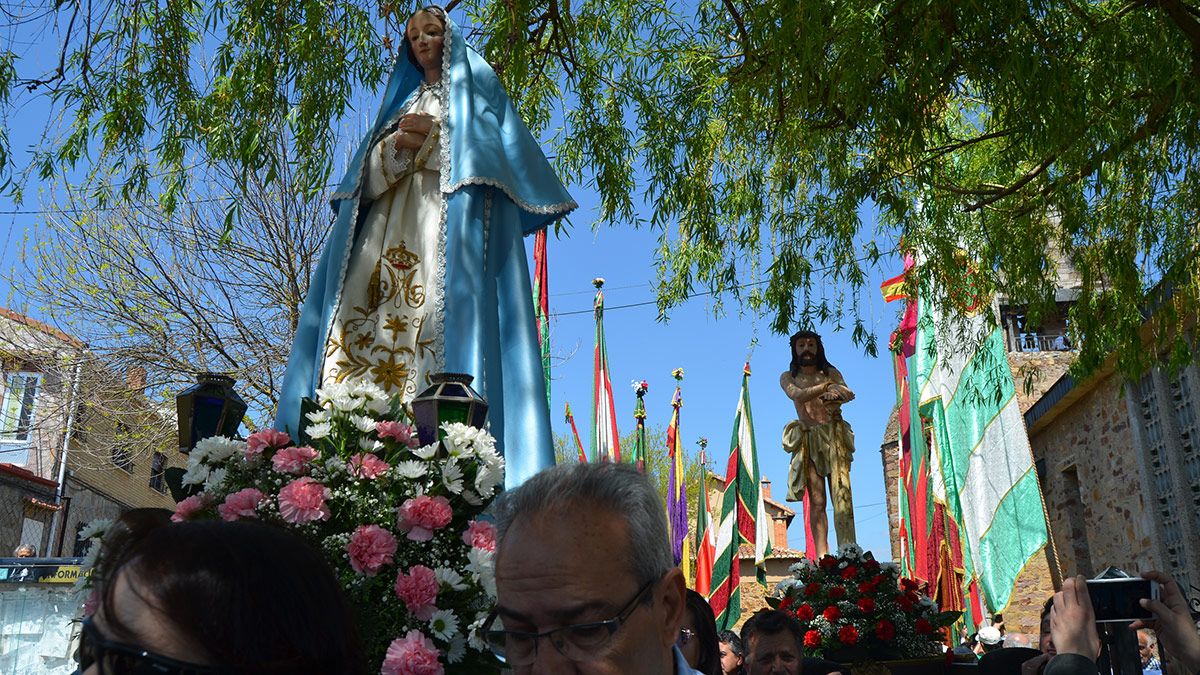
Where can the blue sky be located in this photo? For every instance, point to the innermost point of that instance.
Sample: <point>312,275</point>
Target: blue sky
<point>710,348</point>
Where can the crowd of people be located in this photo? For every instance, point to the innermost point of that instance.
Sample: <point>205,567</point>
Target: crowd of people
<point>594,593</point>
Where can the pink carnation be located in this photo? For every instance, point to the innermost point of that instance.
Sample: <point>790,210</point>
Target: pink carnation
<point>241,504</point>
<point>420,516</point>
<point>480,534</point>
<point>189,507</point>
<point>370,548</point>
<point>293,460</point>
<point>398,431</point>
<point>413,654</point>
<point>303,501</point>
<point>418,591</point>
<point>366,465</point>
<point>267,439</point>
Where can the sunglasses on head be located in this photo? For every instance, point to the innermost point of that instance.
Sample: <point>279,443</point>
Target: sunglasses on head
<point>117,658</point>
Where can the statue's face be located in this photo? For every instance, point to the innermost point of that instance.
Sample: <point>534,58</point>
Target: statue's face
<point>426,34</point>
<point>806,349</point>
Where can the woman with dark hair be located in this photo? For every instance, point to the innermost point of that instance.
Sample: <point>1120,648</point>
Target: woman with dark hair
<point>215,597</point>
<point>732,653</point>
<point>698,637</point>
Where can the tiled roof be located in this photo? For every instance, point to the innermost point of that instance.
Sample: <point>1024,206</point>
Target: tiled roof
<point>20,318</point>
<point>26,474</point>
<point>745,551</point>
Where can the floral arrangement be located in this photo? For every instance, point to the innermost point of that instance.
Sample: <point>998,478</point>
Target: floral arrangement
<point>852,608</point>
<point>397,521</point>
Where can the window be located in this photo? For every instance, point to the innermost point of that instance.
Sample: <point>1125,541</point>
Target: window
<point>16,405</point>
<point>122,458</point>
<point>120,453</point>
<point>158,468</point>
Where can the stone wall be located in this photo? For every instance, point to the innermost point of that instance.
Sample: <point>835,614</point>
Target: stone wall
<point>889,452</point>
<point>1037,370</point>
<point>1097,513</point>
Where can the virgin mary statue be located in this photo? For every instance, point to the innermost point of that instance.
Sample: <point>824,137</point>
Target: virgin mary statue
<point>424,270</point>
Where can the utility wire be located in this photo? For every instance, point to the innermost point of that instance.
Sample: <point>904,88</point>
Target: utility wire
<point>701,294</point>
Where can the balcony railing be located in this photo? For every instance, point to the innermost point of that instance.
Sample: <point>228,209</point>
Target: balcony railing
<point>1041,342</point>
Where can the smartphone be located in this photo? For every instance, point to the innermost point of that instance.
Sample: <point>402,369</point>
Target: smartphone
<point>1117,599</point>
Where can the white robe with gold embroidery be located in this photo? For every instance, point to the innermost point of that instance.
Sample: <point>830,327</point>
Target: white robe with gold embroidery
<point>388,324</point>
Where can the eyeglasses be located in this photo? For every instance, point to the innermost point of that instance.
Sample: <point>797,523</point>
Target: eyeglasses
<point>578,642</point>
<point>116,658</point>
<point>685,636</point>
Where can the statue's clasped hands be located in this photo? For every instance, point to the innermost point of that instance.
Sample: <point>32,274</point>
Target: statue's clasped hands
<point>418,123</point>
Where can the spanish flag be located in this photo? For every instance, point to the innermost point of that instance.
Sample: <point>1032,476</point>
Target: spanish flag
<point>893,289</point>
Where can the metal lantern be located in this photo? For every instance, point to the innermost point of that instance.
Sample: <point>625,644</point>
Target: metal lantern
<point>449,399</point>
<point>208,408</point>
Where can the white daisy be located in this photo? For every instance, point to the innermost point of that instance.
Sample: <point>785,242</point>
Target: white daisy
<point>321,430</point>
<point>449,578</point>
<point>443,624</point>
<point>318,416</point>
<point>426,452</point>
<point>452,476</point>
<point>410,469</point>
<point>363,423</point>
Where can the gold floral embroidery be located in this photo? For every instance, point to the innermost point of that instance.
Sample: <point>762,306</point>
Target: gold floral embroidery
<point>382,338</point>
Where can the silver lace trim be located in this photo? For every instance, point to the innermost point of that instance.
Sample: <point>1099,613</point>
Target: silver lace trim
<point>561,208</point>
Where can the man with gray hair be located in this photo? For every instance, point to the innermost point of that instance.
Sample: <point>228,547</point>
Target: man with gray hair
<point>584,577</point>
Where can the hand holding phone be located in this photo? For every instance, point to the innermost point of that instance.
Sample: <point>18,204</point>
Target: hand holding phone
<point>1172,622</point>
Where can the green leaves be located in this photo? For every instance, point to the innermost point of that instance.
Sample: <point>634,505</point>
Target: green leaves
<point>752,137</point>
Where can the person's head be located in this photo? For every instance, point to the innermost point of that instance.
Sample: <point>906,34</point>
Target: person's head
<point>1146,645</point>
<point>25,551</point>
<point>584,544</point>
<point>425,33</point>
<point>807,350</point>
<point>243,597</point>
<point>1045,641</point>
<point>990,639</point>
<point>774,643</point>
<point>731,653</point>
<point>698,637</point>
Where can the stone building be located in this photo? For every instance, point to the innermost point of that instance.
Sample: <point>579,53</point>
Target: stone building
<point>1120,471</point>
<point>58,400</point>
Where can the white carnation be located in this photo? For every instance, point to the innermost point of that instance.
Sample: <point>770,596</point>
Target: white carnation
<point>491,473</point>
<point>215,479</point>
<point>196,473</point>
<point>379,406</point>
<point>217,449</point>
<point>481,566</point>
